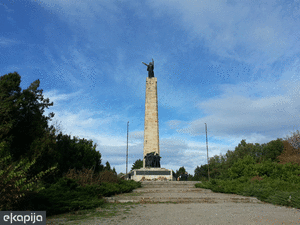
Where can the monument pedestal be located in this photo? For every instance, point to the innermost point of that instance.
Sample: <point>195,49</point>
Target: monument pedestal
<point>151,174</point>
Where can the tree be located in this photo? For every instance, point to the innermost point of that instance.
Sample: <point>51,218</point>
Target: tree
<point>75,153</point>
<point>137,164</point>
<point>244,149</point>
<point>57,128</point>
<point>114,170</point>
<point>107,166</point>
<point>294,140</point>
<point>22,115</point>
<point>200,172</point>
<point>14,184</point>
<point>121,174</point>
<point>243,167</point>
<point>174,174</point>
<point>21,119</point>
<point>273,149</point>
<point>290,154</point>
<point>180,171</point>
<point>190,177</point>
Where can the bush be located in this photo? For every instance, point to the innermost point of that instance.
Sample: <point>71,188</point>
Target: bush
<point>243,167</point>
<point>67,195</point>
<point>64,196</point>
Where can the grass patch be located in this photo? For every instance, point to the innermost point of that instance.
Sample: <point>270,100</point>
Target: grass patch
<point>107,210</point>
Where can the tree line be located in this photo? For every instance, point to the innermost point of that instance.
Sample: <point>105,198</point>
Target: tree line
<point>280,151</point>
<point>26,137</point>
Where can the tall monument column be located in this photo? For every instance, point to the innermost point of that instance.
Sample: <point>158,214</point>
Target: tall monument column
<point>151,160</point>
<point>151,134</point>
<point>151,138</point>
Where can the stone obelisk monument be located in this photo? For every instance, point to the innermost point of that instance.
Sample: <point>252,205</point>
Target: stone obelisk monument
<point>151,133</point>
<point>151,160</point>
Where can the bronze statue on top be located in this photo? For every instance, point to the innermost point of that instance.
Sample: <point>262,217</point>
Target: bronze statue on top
<point>150,69</point>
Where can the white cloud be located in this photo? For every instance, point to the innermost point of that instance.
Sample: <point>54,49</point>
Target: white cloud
<point>7,42</point>
<point>236,113</point>
<point>244,31</point>
<point>174,124</point>
<point>55,97</point>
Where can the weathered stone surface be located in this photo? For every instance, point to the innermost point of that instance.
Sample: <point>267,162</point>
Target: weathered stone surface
<point>151,132</point>
<point>180,192</point>
<point>152,174</point>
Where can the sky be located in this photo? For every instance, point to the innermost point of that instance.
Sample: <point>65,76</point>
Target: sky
<point>233,65</point>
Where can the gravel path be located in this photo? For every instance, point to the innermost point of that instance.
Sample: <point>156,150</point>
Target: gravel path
<point>202,214</point>
<point>220,209</point>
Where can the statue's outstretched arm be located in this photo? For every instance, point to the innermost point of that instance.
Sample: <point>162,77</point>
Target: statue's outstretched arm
<point>145,64</point>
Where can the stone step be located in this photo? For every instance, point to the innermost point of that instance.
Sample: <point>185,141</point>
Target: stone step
<point>178,192</point>
<point>137,199</point>
<point>169,184</point>
<point>160,190</point>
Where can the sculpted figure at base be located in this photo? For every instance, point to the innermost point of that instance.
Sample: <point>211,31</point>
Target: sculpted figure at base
<point>150,68</point>
<point>152,160</point>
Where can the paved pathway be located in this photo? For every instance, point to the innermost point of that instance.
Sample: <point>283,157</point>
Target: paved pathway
<point>179,192</point>
<point>195,206</point>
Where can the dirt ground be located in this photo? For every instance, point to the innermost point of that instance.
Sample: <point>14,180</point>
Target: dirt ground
<point>220,209</point>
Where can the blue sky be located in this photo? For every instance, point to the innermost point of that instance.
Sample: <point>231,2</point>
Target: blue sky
<point>233,65</point>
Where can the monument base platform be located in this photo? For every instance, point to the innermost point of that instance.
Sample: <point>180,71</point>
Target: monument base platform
<point>149,174</point>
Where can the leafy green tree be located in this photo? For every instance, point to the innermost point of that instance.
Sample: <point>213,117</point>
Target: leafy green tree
<point>241,168</point>
<point>137,164</point>
<point>107,166</point>
<point>215,166</point>
<point>190,177</point>
<point>121,174</point>
<point>244,149</point>
<point>180,171</point>
<point>22,128</point>
<point>273,149</point>
<point>200,172</point>
<point>14,184</point>
<point>22,112</point>
<point>174,174</point>
<point>75,153</point>
<point>21,118</point>
<point>256,151</point>
<point>231,157</point>
<point>114,171</point>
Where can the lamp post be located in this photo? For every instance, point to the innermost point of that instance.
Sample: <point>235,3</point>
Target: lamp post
<point>127,149</point>
<point>207,150</point>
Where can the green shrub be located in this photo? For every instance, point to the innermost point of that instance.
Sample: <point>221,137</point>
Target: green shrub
<point>243,167</point>
<point>62,197</point>
<point>66,195</point>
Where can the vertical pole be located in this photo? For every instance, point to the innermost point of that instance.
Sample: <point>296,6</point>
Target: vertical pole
<point>127,149</point>
<point>207,151</point>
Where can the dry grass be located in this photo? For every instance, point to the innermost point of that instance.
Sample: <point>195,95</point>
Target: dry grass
<point>86,177</point>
